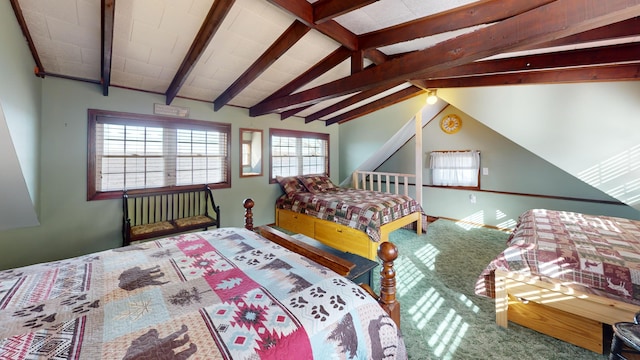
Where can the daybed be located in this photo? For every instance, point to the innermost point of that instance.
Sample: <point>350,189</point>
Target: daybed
<point>217,294</point>
<point>350,220</point>
<point>568,275</point>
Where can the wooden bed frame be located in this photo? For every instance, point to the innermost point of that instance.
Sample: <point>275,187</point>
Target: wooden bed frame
<point>339,236</point>
<point>347,239</point>
<point>576,317</point>
<point>387,252</point>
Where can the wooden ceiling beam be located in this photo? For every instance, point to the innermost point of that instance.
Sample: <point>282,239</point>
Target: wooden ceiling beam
<point>324,10</point>
<point>626,28</point>
<point>474,14</point>
<point>560,18</point>
<point>108,12</point>
<point>329,62</point>
<point>357,61</point>
<point>350,101</point>
<point>376,56</point>
<point>376,105</point>
<point>289,113</point>
<point>218,11</point>
<point>606,55</point>
<point>290,37</point>
<point>326,64</point>
<point>625,72</point>
<point>303,11</point>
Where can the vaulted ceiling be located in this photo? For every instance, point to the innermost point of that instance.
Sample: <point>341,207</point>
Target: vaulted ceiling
<point>328,60</point>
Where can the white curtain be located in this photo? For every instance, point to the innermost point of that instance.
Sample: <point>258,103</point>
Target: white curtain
<point>455,168</point>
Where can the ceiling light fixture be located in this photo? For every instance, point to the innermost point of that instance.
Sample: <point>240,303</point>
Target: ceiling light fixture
<point>432,97</point>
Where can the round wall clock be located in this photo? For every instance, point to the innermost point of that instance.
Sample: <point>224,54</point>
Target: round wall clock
<point>451,123</point>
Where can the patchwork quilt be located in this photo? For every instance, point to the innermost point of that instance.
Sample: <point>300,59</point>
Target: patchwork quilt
<point>359,209</point>
<point>594,254</point>
<point>221,294</point>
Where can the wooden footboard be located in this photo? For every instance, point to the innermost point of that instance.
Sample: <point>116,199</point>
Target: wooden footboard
<point>339,236</point>
<point>556,310</point>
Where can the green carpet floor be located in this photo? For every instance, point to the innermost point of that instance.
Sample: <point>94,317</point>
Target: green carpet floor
<point>442,318</point>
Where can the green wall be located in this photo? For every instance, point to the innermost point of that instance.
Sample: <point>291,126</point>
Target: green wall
<point>589,130</point>
<point>512,169</point>
<point>70,225</point>
<point>20,95</point>
<point>363,136</point>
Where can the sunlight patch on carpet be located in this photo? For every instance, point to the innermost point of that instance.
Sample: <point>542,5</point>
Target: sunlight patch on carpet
<point>473,221</point>
<point>448,336</point>
<point>468,303</point>
<point>427,254</point>
<point>407,275</point>
<point>424,309</point>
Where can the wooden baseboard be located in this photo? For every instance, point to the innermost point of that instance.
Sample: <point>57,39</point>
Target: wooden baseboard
<point>431,219</point>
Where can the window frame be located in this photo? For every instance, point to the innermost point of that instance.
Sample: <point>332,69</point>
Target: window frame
<point>116,117</point>
<point>300,135</point>
<point>459,187</point>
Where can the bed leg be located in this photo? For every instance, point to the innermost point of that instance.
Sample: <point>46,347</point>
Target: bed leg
<point>502,299</point>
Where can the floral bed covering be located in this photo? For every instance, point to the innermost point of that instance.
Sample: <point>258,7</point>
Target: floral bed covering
<point>359,209</point>
<point>221,294</point>
<point>595,254</point>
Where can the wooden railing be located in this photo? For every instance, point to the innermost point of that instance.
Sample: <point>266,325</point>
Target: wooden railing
<point>384,182</point>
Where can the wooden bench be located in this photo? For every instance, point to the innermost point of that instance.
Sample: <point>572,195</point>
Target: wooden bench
<point>165,212</point>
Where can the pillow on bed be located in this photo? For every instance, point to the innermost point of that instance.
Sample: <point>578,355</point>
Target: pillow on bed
<point>290,185</point>
<point>317,183</point>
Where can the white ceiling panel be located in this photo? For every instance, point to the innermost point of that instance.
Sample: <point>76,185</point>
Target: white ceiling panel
<point>385,13</point>
<point>427,42</point>
<point>64,30</point>
<point>244,35</point>
<point>151,39</point>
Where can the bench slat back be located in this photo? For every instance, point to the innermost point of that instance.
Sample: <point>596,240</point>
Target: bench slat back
<point>167,205</point>
<point>149,209</point>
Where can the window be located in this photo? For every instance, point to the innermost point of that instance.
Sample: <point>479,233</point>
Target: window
<point>455,168</point>
<point>132,151</point>
<point>298,153</point>
<point>246,153</point>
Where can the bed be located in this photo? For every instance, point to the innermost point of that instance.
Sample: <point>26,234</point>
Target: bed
<point>568,275</point>
<point>347,219</point>
<point>218,294</point>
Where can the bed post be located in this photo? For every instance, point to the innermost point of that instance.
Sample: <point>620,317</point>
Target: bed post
<point>388,252</point>
<point>248,215</point>
<point>501,298</point>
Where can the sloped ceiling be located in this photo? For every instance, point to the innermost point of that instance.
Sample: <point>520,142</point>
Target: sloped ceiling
<point>328,60</point>
<point>587,131</point>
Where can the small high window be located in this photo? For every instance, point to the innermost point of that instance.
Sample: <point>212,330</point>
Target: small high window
<point>455,168</point>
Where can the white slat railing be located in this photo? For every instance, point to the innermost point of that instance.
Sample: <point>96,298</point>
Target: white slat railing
<point>382,181</point>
